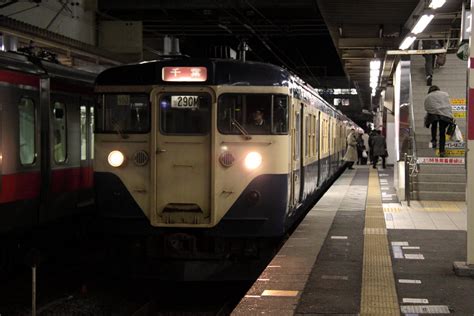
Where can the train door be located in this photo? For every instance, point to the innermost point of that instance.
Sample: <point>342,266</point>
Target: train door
<point>45,153</point>
<point>330,150</point>
<point>86,133</point>
<point>1,151</point>
<point>182,136</point>
<point>296,148</point>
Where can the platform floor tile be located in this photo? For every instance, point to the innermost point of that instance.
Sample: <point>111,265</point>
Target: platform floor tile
<point>290,269</point>
<point>437,282</point>
<point>426,215</point>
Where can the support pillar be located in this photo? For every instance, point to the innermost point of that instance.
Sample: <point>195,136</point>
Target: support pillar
<point>467,268</point>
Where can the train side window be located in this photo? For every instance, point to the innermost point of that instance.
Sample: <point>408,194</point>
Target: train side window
<point>59,125</point>
<point>308,137</point>
<point>26,126</point>
<point>280,114</point>
<point>91,131</point>
<point>317,130</point>
<point>83,132</point>
<point>313,135</point>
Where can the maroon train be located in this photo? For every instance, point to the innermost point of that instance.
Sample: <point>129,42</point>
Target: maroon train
<point>46,139</point>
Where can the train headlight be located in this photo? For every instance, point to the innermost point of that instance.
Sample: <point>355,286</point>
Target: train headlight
<point>253,160</point>
<point>116,158</point>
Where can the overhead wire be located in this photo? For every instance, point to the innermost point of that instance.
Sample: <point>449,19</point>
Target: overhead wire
<point>248,25</point>
<point>23,10</point>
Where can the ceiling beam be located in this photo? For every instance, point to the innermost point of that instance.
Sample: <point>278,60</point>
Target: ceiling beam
<point>357,54</point>
<point>365,43</point>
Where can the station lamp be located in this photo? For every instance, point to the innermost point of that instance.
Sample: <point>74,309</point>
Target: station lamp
<point>374,74</point>
<point>422,23</point>
<point>435,4</point>
<point>407,42</point>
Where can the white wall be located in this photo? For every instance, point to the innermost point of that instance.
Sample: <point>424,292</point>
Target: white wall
<point>391,159</point>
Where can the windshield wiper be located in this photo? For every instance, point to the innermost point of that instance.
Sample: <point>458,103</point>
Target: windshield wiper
<point>241,129</point>
<point>119,131</point>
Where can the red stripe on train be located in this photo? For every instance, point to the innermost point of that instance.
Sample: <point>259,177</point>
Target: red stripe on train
<point>26,186</point>
<point>18,78</point>
<point>71,179</point>
<point>20,186</point>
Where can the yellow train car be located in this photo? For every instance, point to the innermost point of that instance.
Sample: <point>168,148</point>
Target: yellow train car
<point>200,153</point>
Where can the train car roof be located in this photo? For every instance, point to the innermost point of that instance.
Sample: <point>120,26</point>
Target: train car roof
<point>219,72</point>
<point>27,64</point>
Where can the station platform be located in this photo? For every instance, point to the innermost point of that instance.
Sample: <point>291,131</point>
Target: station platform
<point>361,252</point>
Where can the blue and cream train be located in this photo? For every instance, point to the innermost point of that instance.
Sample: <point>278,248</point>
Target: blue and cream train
<point>188,150</point>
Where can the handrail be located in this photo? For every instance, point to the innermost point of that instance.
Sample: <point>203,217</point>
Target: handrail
<point>412,119</point>
<point>407,180</point>
<point>411,171</point>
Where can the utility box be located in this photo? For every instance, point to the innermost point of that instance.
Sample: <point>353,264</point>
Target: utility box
<point>122,37</point>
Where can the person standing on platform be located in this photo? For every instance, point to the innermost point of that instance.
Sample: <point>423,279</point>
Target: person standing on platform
<point>351,152</point>
<point>365,138</point>
<point>360,144</point>
<point>379,147</point>
<point>439,112</point>
<point>371,151</point>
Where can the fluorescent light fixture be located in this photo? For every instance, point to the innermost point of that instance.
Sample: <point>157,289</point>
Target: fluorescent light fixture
<point>422,23</point>
<point>435,4</point>
<point>375,64</point>
<point>374,72</point>
<point>407,42</point>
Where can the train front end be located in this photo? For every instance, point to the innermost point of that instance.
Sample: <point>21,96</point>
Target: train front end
<point>189,156</point>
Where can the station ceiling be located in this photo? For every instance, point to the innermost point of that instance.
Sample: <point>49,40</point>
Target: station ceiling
<point>328,43</point>
<point>292,34</point>
<point>316,39</point>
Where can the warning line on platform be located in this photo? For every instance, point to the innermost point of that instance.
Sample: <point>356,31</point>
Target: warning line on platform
<point>379,294</point>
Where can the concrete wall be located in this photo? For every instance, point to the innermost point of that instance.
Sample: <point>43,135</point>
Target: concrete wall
<point>76,21</point>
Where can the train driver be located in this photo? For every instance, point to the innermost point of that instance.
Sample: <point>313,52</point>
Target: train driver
<point>258,125</point>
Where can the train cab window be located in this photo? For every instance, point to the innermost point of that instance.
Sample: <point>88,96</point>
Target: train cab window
<point>26,125</point>
<point>59,126</point>
<point>83,132</point>
<point>185,114</point>
<point>255,114</point>
<point>123,113</point>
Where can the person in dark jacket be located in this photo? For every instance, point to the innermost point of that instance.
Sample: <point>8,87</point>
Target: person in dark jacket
<point>439,112</point>
<point>371,151</point>
<point>379,148</point>
<point>360,144</point>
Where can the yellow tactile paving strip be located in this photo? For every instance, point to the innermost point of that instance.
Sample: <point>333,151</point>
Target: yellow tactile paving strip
<point>425,206</point>
<point>391,209</point>
<point>379,295</point>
